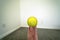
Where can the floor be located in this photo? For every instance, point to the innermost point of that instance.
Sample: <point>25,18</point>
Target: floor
<point>43,34</point>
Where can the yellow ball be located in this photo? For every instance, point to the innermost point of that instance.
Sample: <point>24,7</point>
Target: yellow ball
<point>32,21</point>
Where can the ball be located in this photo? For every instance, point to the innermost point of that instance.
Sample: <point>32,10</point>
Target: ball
<point>32,21</point>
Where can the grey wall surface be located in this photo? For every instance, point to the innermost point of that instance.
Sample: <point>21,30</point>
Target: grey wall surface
<point>47,12</point>
<point>9,15</point>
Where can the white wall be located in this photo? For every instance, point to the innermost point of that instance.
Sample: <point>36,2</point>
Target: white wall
<point>9,16</point>
<point>46,11</point>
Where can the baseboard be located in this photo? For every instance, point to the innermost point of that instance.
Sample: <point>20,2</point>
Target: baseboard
<point>7,33</point>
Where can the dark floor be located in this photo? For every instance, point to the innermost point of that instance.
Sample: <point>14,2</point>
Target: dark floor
<point>43,34</point>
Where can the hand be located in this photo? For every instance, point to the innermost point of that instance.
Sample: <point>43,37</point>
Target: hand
<point>32,33</point>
